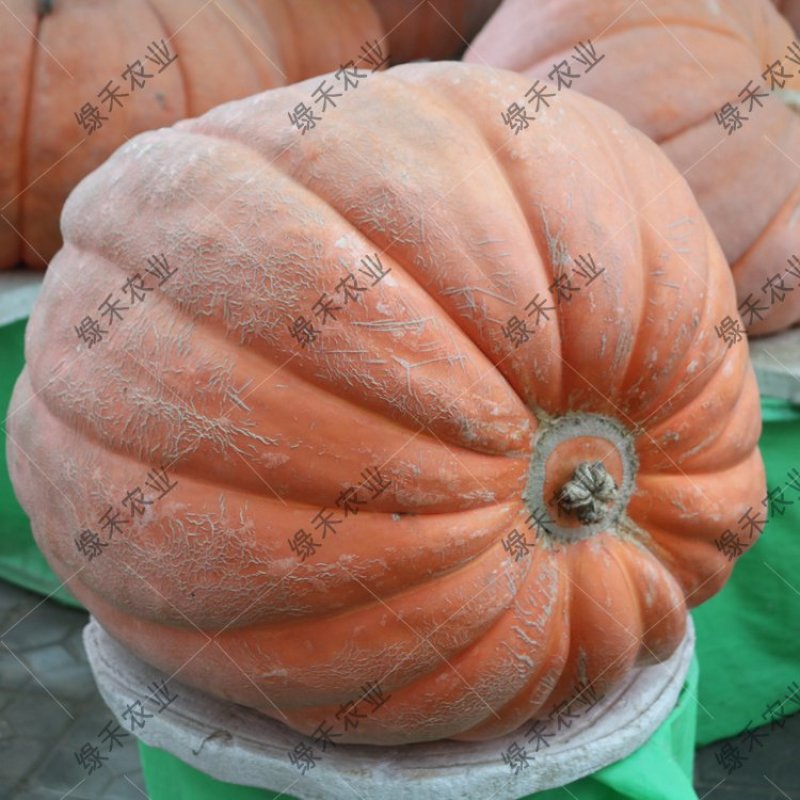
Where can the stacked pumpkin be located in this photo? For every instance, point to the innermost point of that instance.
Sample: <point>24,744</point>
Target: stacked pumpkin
<point>718,86</point>
<point>412,399</point>
<point>80,77</point>
<point>791,10</point>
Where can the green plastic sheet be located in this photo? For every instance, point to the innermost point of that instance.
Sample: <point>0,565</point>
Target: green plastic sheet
<point>661,769</point>
<point>20,560</point>
<point>748,635</point>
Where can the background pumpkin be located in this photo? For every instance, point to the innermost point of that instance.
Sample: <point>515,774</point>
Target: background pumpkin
<point>57,56</point>
<point>418,592</point>
<point>791,10</point>
<point>432,29</point>
<point>670,66</point>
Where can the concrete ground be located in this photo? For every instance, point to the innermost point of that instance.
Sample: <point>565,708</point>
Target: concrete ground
<point>50,710</point>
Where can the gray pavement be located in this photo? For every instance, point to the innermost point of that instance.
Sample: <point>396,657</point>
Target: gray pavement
<point>49,708</point>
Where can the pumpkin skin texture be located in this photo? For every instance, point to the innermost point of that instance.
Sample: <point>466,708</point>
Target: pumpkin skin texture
<point>433,29</point>
<point>227,49</point>
<point>417,591</point>
<point>670,66</point>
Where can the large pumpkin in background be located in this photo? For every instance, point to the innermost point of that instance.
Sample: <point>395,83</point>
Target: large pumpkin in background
<point>791,10</point>
<point>431,29</point>
<point>671,67</point>
<point>62,58</point>
<point>374,476</point>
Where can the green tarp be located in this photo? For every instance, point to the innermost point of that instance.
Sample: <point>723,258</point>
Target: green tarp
<point>748,635</point>
<point>20,560</point>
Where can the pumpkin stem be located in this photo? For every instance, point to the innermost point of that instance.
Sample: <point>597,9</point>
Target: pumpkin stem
<point>588,493</point>
<point>44,7</point>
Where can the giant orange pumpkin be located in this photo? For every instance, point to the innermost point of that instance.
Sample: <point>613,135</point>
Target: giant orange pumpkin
<point>493,521</point>
<point>670,67</point>
<point>58,56</point>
